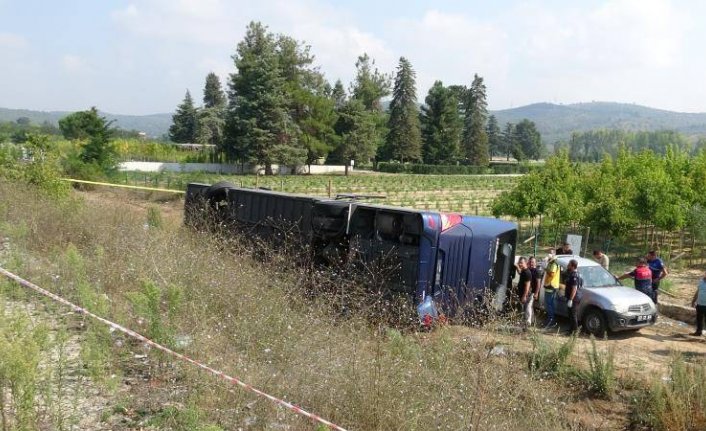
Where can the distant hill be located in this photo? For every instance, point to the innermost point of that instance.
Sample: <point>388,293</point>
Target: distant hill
<point>556,122</point>
<point>154,125</point>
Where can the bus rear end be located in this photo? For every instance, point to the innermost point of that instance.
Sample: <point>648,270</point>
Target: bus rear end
<point>473,262</point>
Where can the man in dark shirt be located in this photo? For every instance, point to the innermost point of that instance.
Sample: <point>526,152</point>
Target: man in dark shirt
<point>564,249</point>
<point>571,286</point>
<point>524,290</point>
<point>536,282</point>
<point>659,271</point>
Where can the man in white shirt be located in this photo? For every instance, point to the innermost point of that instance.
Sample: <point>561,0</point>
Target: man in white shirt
<point>602,259</point>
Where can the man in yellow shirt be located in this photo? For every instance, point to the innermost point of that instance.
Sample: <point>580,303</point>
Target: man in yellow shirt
<point>551,286</point>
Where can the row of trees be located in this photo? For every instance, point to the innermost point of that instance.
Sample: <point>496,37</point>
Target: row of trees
<point>280,109</point>
<point>19,130</point>
<point>617,195</point>
<point>592,145</point>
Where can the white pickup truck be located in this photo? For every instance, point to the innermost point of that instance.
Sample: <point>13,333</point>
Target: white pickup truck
<point>603,303</point>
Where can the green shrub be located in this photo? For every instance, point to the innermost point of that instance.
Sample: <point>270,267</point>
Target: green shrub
<point>188,418</point>
<point>148,304</point>
<point>36,162</point>
<point>154,217</point>
<point>547,358</point>
<point>600,376</point>
<point>22,346</point>
<point>679,403</point>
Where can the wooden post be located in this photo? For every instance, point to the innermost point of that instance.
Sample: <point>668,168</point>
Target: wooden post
<point>257,180</point>
<point>329,187</point>
<point>282,184</point>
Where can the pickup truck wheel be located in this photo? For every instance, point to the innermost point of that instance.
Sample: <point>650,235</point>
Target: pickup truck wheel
<point>594,322</point>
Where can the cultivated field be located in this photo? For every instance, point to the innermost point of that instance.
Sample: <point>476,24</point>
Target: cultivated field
<point>468,194</point>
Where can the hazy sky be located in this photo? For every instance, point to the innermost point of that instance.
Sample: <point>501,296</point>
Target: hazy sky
<point>139,57</point>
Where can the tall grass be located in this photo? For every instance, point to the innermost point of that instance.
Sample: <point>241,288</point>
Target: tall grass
<point>677,402</point>
<point>258,320</point>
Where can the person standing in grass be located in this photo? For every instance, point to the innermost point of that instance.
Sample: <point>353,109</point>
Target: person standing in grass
<point>602,259</point>
<point>571,287</point>
<point>551,285</point>
<point>659,271</point>
<point>642,276</point>
<point>524,290</point>
<point>699,302</point>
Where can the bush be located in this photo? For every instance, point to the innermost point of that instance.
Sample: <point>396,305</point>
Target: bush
<point>35,163</point>
<point>548,359</point>
<point>600,376</point>
<point>676,404</point>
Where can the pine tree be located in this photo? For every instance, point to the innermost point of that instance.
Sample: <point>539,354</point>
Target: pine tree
<point>370,85</point>
<point>211,123</point>
<point>495,144</point>
<point>258,118</point>
<point>309,102</point>
<point>184,121</point>
<point>358,134</point>
<point>509,142</point>
<point>528,139</point>
<point>403,141</point>
<point>441,125</point>
<point>338,94</point>
<point>211,118</point>
<point>475,138</point>
<point>213,96</point>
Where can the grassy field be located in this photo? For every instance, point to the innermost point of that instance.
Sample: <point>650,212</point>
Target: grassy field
<point>282,328</point>
<point>461,193</point>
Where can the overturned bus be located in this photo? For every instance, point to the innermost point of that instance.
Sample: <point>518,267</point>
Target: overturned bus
<point>448,262</point>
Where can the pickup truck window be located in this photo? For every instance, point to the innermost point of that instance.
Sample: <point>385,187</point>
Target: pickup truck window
<point>597,276</point>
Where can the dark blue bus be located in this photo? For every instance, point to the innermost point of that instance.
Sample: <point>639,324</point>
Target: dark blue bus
<point>455,259</point>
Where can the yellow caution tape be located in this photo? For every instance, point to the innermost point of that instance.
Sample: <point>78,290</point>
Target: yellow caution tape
<point>125,186</point>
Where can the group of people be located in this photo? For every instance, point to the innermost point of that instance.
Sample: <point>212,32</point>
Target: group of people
<point>647,275</point>
<point>532,279</point>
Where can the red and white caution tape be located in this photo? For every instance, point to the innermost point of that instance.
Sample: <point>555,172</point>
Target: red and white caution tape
<point>133,334</point>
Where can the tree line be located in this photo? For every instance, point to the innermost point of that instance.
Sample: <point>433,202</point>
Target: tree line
<point>279,108</point>
<point>590,146</point>
<point>617,195</point>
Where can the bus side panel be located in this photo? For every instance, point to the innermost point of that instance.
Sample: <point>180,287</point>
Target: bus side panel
<point>272,215</point>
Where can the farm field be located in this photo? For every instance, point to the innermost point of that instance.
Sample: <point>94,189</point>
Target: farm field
<point>468,194</point>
